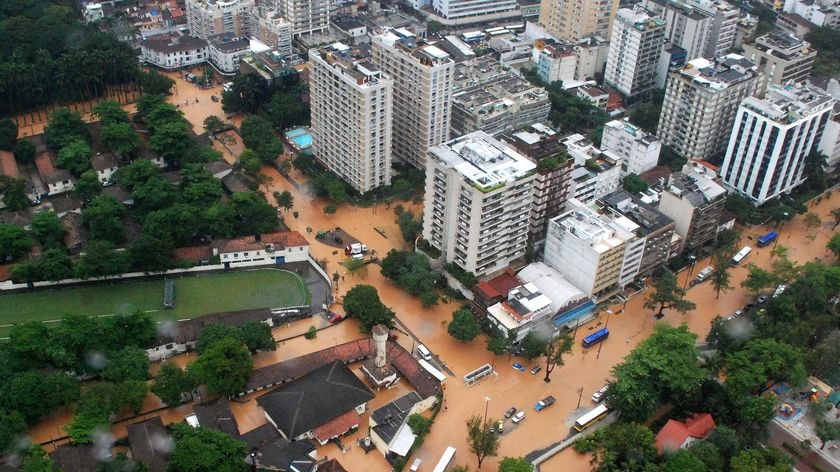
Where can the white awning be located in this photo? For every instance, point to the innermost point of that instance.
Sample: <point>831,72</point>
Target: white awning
<point>403,441</point>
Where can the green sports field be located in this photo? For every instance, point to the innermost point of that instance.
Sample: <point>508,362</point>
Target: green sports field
<point>195,295</point>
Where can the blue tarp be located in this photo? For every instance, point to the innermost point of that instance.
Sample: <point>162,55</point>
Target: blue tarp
<point>570,316</point>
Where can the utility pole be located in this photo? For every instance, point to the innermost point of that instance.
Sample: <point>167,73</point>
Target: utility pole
<point>486,407</point>
<point>580,395</point>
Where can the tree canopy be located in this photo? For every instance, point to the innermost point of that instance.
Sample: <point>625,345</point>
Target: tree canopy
<point>203,449</point>
<point>224,367</point>
<point>667,294</point>
<point>362,301</point>
<point>464,326</point>
<point>628,447</point>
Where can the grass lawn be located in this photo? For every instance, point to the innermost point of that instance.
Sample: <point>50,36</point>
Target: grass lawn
<point>195,295</point>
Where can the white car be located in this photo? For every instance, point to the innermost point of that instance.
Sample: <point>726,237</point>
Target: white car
<point>519,417</point>
<point>599,395</point>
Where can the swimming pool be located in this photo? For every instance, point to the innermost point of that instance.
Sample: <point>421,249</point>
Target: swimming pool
<point>301,138</point>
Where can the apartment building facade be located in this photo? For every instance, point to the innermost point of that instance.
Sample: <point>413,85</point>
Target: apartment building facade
<point>206,18</point>
<point>782,58</point>
<point>274,31</point>
<point>461,9</point>
<point>576,19</point>
<point>352,109</point>
<point>422,76</point>
<point>700,104</point>
<point>695,200</point>
<point>478,202</point>
<point>306,16</point>
<point>634,51</point>
<point>638,149</point>
<point>771,139</point>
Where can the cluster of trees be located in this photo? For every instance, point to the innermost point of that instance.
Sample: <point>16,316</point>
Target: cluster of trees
<point>411,226</point>
<point>647,114</point>
<point>13,190</point>
<point>467,279</point>
<point>282,102</point>
<point>569,111</point>
<point>67,61</point>
<point>411,271</point>
<point>169,132</point>
<point>362,302</point>
<point>464,326</point>
<point>39,368</point>
<point>201,449</point>
<point>825,39</point>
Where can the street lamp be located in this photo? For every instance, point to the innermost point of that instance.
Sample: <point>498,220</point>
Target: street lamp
<point>486,407</point>
<point>601,344</point>
<point>693,260</point>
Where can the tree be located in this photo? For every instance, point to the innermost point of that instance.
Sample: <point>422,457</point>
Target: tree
<point>12,428</point>
<point>121,138</point>
<point>213,124</point>
<point>99,260</point>
<point>362,301</point>
<point>25,152</point>
<point>150,254</point>
<point>198,186</point>
<point>762,360</point>
<point>515,464</point>
<point>497,345</point>
<point>224,367</point>
<point>667,294</point>
<point>554,351</point>
<point>65,126</point>
<point>662,369</point>
<point>257,336</point>
<point>721,262</point>
<point>49,231</point>
<point>213,333</point>
<point>103,219</point>
<point>203,449</point>
<point>178,224</point>
<point>330,209</point>
<point>419,424</point>
<point>172,383</point>
<point>8,134</point>
<point>155,83</point>
<point>87,186</point>
<point>171,140</point>
<point>136,174</point>
<point>13,191</point>
<point>258,134</point>
<point>284,199</point>
<point>36,460</point>
<point>628,447</point>
<point>356,267</point>
<point>762,459</point>
<point>834,245</point>
<point>26,272</point>
<point>757,280</point>
<point>835,212</point>
<point>826,353</point>
<point>286,110</point>
<point>533,346</point>
<point>683,460</point>
<point>634,184</point>
<point>75,156</point>
<point>481,440</point>
<point>249,162</point>
<point>709,455</point>
<point>812,221</point>
<point>410,227</point>
<point>252,214</point>
<point>726,440</point>
<point>33,394</point>
<point>110,111</point>
<point>129,363</point>
<point>54,265</point>
<point>464,326</point>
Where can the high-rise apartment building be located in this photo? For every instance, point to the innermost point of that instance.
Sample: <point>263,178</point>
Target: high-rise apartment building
<point>352,107</point>
<point>576,19</point>
<point>422,76</point>
<point>724,26</point>
<point>595,173</point>
<point>695,200</point>
<point>306,16</point>
<point>274,31</point>
<point>771,139</point>
<point>478,202</point>
<point>461,9</point>
<point>638,150</point>
<point>206,18</point>
<point>686,26</point>
<point>700,104</point>
<point>782,58</point>
<point>634,51</point>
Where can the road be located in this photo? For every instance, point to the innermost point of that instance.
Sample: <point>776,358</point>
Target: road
<point>779,435</point>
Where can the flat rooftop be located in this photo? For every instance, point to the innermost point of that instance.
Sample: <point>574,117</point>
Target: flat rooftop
<point>789,103</point>
<point>483,160</point>
<point>721,73</point>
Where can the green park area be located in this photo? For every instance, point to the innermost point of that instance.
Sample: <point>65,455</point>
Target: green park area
<point>195,295</point>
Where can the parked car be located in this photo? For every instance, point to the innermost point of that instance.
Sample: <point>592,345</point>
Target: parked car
<point>762,299</point>
<point>544,403</point>
<point>519,367</point>
<point>215,98</point>
<point>536,370</point>
<point>518,417</point>
<point>500,426</point>
<point>734,315</point>
<point>510,412</point>
<point>598,396</point>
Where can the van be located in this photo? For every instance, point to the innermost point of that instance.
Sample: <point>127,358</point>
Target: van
<point>702,275</point>
<point>415,465</point>
<point>424,353</point>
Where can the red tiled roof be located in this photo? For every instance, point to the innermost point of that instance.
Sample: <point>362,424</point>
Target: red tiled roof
<point>614,101</point>
<point>674,434</point>
<point>44,163</point>
<point>705,164</point>
<point>500,285</point>
<point>6,272</point>
<point>280,239</point>
<point>193,253</point>
<point>338,426</point>
<point>652,176</point>
<point>8,165</point>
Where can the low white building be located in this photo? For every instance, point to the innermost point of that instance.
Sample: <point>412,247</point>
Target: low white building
<point>226,51</point>
<point>105,165</point>
<point>556,62</point>
<point>569,305</point>
<point>168,52</point>
<point>93,12</point>
<point>278,248</point>
<point>525,308</point>
<point>595,95</point>
<point>596,173</point>
<point>57,181</point>
<point>639,150</point>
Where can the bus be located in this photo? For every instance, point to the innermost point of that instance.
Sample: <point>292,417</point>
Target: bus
<point>444,462</point>
<point>742,254</point>
<point>596,337</point>
<point>587,420</point>
<point>767,238</point>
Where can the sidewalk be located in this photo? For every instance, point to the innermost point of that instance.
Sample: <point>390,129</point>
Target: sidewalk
<point>781,433</point>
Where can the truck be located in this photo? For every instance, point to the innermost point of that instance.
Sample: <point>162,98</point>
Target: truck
<point>703,275</point>
<point>544,403</point>
<point>355,249</point>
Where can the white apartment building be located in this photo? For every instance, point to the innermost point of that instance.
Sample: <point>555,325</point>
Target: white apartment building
<point>352,110</point>
<point>556,62</point>
<point>458,9</point>
<point>700,104</point>
<point>478,202</point>
<point>771,139</point>
<point>638,150</point>
<point>422,76</point>
<point>275,32</point>
<point>634,51</point>
<point>586,250</point>
<point>306,16</point>
<point>576,19</point>
<point>206,18</point>
<point>685,26</point>
<point>225,52</point>
<point>830,142</point>
<point>172,53</point>
<point>596,173</point>
<point>526,307</point>
<point>592,54</point>
<point>820,12</point>
<point>782,58</point>
<point>695,200</point>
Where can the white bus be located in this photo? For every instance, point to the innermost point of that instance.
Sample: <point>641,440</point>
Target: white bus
<point>592,417</point>
<point>742,254</point>
<point>440,376</point>
<point>444,462</point>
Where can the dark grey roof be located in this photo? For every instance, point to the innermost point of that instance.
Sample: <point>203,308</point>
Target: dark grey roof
<point>315,399</point>
<point>233,184</point>
<point>647,217</point>
<point>228,43</point>
<point>280,454</point>
<point>345,23</point>
<point>81,458</point>
<point>389,418</point>
<point>259,436</point>
<point>64,203</point>
<point>218,416</point>
<point>168,44</point>
<point>150,444</point>
<point>118,192</point>
<point>103,161</point>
